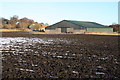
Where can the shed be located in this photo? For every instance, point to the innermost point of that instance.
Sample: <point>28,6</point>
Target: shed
<point>72,26</point>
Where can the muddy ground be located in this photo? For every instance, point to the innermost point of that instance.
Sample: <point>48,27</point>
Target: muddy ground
<point>59,56</point>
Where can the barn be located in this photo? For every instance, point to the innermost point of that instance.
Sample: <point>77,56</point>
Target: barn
<point>72,26</point>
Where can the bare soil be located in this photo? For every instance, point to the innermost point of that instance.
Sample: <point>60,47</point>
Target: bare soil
<point>61,56</point>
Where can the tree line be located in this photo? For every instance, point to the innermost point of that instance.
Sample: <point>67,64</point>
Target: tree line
<point>15,22</point>
<point>116,27</point>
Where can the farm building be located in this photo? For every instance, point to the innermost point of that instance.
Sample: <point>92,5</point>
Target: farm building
<point>71,26</point>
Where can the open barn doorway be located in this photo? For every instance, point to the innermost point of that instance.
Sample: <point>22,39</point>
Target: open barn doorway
<point>64,30</point>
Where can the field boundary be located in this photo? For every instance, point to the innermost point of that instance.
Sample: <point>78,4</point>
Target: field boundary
<point>9,30</point>
<point>33,32</point>
<point>102,33</point>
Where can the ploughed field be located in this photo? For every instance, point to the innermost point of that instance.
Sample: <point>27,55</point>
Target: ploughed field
<point>59,56</point>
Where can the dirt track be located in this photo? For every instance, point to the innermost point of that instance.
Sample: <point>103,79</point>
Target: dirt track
<point>61,56</point>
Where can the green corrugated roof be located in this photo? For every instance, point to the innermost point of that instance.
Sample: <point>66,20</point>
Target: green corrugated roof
<point>79,24</point>
<point>87,24</point>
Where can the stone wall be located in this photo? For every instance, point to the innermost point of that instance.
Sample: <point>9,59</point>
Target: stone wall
<point>53,31</point>
<point>69,30</point>
<point>79,31</point>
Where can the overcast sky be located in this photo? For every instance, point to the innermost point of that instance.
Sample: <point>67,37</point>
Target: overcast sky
<point>51,12</point>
